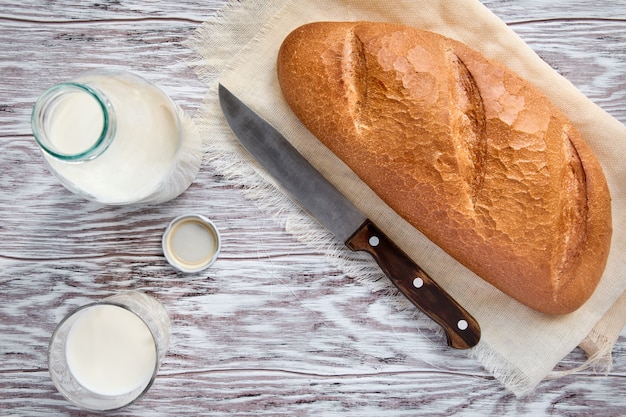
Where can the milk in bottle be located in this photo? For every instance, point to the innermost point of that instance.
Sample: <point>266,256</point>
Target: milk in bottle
<point>113,137</point>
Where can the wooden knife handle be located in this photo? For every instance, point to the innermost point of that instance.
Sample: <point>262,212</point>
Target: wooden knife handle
<point>461,328</point>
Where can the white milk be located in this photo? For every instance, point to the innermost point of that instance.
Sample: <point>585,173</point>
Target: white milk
<point>143,152</point>
<point>84,130</point>
<point>110,351</point>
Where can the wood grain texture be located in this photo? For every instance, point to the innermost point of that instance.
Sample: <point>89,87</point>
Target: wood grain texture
<point>271,328</point>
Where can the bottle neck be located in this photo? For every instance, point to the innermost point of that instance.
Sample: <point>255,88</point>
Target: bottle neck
<point>73,122</point>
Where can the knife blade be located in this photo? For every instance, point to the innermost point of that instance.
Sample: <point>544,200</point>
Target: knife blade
<point>333,210</point>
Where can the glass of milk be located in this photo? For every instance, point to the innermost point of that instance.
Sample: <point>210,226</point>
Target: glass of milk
<point>113,137</point>
<point>105,355</point>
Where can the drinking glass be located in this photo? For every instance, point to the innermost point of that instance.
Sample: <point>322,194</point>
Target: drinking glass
<point>105,355</point>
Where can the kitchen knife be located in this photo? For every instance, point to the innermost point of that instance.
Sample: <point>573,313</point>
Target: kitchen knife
<point>296,175</point>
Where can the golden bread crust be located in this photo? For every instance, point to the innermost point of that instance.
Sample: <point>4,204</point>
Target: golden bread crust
<point>472,155</point>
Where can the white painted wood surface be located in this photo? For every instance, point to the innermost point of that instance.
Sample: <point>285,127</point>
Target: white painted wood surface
<point>271,328</point>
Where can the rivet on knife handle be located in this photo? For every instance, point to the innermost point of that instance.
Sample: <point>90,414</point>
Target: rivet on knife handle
<point>461,328</point>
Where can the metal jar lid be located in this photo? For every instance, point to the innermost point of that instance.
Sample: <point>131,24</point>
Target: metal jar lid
<point>191,243</point>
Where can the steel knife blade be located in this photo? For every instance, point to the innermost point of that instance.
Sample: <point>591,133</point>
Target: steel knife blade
<point>333,210</point>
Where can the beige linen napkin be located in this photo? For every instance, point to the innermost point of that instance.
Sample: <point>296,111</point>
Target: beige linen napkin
<point>519,346</point>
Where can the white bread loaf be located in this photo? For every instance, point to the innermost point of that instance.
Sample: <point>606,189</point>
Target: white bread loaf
<point>476,158</point>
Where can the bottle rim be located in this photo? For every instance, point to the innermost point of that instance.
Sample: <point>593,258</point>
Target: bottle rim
<point>49,98</point>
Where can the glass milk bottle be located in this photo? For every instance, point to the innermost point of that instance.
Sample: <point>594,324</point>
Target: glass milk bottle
<point>113,137</point>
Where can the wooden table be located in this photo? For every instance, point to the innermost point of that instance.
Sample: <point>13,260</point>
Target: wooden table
<point>271,328</point>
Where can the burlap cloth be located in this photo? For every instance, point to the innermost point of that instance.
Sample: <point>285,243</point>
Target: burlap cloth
<point>519,346</point>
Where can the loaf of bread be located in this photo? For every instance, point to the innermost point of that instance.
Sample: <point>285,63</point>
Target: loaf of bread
<point>469,153</point>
